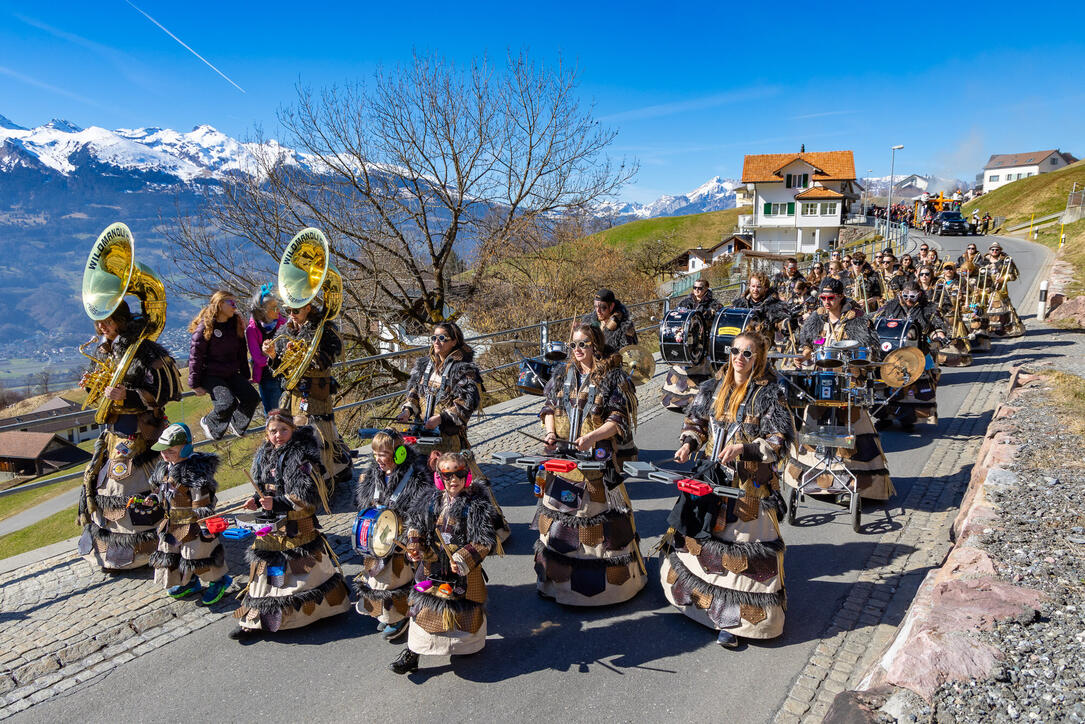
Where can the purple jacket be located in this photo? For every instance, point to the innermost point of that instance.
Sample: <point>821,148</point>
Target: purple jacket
<point>221,356</point>
<point>255,337</point>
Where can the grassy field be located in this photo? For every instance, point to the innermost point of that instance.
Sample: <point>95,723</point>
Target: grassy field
<point>57,527</point>
<point>1040,195</point>
<point>689,231</point>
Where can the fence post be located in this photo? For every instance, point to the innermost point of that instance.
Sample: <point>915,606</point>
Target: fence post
<point>544,336</point>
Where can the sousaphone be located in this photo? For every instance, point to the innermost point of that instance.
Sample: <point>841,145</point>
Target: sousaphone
<point>306,271</point>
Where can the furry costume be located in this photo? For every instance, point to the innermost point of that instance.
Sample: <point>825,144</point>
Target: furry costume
<point>618,331</point>
<point>383,583</point>
<point>312,400</point>
<point>294,578</point>
<point>1004,320</point>
<point>680,385</point>
<point>444,624</point>
<point>867,461</point>
<point>917,400</point>
<point>117,536</point>
<point>187,493</point>
<point>455,389</point>
<point>588,551</point>
<point>727,572</point>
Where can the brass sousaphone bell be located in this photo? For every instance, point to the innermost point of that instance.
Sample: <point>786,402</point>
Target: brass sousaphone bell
<point>110,274</point>
<point>306,271</point>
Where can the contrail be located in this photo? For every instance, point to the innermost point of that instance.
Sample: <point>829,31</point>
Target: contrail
<point>185,46</point>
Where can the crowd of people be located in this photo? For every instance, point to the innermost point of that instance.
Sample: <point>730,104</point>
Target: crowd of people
<point>150,499</point>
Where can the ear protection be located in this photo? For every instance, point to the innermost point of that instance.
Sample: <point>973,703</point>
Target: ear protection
<point>399,451</point>
<point>441,484</point>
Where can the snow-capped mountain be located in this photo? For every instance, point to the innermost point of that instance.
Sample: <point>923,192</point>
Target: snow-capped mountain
<point>879,185</point>
<point>715,194</point>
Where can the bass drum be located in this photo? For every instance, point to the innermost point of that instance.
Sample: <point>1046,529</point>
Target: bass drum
<point>534,374</point>
<point>682,337</point>
<point>895,334</point>
<point>729,323</point>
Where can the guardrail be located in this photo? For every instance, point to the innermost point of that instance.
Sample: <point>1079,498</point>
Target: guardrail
<point>543,329</point>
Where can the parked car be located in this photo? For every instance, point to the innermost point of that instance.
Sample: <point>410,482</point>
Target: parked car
<point>949,222</point>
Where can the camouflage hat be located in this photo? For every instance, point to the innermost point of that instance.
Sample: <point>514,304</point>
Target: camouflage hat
<point>176,434</point>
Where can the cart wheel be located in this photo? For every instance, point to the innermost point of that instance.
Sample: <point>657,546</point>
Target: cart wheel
<point>792,505</point>
<point>856,511</point>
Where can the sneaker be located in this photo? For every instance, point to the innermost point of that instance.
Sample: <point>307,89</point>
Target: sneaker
<point>233,430</point>
<point>207,430</point>
<point>216,590</point>
<point>381,626</point>
<point>727,640</point>
<point>395,631</point>
<point>406,663</point>
<point>186,589</point>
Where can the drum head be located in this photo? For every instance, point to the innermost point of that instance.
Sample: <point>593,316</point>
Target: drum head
<point>828,359</point>
<point>845,344</point>
<point>384,533</point>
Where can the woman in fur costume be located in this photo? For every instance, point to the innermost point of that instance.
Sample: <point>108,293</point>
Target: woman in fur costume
<point>723,559</point>
<point>402,484</point>
<point>588,550</point>
<point>449,538</point>
<point>188,558</point>
<point>294,577</point>
<point>120,532</point>
<point>839,318</point>
<point>312,399</point>
<point>444,391</point>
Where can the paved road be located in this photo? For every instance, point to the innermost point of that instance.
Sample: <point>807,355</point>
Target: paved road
<point>641,661</point>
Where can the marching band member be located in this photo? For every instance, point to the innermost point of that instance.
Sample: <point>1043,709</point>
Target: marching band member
<point>188,558</point>
<point>680,385</point>
<point>588,550</point>
<point>294,577</point>
<point>817,273</point>
<point>785,279</point>
<point>771,310</point>
<point>264,322</point>
<point>219,366</point>
<point>311,402</point>
<point>925,278</point>
<point>723,559</point>
<point>867,288</point>
<point>1001,270</point>
<point>119,530</point>
<point>972,254</point>
<point>449,537</point>
<point>838,319</point>
<point>444,391</point>
<point>398,479</point>
<point>613,319</point>
<point>908,267</point>
<point>919,398</point>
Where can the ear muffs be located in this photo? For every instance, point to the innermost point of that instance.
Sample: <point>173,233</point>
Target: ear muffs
<point>399,456</point>
<point>399,452</point>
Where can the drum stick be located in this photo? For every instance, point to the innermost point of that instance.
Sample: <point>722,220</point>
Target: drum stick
<point>233,507</point>
<point>259,490</point>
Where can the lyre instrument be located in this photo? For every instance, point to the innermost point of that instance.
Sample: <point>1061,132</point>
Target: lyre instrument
<point>110,274</point>
<point>306,271</point>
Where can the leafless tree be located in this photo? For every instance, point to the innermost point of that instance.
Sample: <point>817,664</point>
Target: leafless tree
<point>427,169</point>
<point>43,381</point>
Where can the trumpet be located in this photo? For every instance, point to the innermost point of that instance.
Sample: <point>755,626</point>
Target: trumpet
<point>98,377</point>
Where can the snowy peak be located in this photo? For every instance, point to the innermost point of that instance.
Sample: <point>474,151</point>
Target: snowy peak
<point>59,124</point>
<point>714,187</point>
<point>715,194</point>
<point>9,124</point>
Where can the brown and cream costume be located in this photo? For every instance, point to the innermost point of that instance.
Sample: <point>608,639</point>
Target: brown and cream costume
<point>187,490</point>
<point>119,532</point>
<point>446,530</point>
<point>588,552</point>
<point>723,559</point>
<point>1003,317</point>
<point>294,577</point>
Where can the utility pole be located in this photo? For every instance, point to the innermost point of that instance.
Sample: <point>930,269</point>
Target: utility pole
<point>889,202</point>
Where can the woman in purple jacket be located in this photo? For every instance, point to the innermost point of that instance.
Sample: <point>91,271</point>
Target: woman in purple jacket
<point>263,323</point>
<point>218,364</point>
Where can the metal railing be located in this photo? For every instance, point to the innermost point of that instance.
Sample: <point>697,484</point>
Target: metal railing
<point>542,327</point>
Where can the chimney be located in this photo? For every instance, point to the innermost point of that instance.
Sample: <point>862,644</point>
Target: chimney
<point>802,149</point>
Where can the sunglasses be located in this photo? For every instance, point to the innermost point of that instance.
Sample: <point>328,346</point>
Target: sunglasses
<point>579,345</point>
<point>231,302</point>
<point>291,310</point>
<point>909,297</point>
<point>924,274</point>
<point>459,474</point>
<point>744,353</point>
<point>827,297</point>
<point>439,338</point>
<point>699,289</point>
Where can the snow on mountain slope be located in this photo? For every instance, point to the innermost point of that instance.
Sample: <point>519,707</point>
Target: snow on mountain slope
<point>715,194</point>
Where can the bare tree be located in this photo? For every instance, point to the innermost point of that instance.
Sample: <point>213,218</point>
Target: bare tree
<point>429,169</point>
<point>43,381</point>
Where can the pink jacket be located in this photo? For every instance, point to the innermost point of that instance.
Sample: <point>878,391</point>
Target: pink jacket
<point>255,337</point>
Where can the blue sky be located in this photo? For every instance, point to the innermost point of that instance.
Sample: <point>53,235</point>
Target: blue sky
<point>690,87</point>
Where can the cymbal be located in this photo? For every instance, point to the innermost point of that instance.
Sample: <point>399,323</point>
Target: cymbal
<point>902,366</point>
<point>638,363</point>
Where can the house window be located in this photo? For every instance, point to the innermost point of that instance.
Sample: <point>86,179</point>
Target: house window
<point>993,177</point>
<point>797,180</point>
<point>1029,174</point>
<point>1054,161</point>
<point>785,209</point>
<point>828,208</point>
<point>809,209</point>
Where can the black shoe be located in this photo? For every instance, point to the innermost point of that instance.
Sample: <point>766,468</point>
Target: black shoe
<point>883,425</point>
<point>395,631</point>
<point>406,663</point>
<point>244,634</point>
<point>727,640</point>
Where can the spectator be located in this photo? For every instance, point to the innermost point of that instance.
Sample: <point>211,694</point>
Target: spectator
<point>263,323</point>
<point>218,365</point>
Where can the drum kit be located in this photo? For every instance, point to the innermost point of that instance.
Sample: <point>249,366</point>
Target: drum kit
<point>687,338</point>
<point>535,372</point>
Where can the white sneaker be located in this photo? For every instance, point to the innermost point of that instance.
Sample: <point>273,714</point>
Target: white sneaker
<point>233,430</point>
<point>206,429</point>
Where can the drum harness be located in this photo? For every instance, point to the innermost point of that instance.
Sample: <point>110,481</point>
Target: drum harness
<point>572,407</point>
<point>433,395</point>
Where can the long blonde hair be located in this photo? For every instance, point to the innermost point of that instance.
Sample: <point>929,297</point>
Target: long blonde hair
<point>206,316</point>
<point>731,394</point>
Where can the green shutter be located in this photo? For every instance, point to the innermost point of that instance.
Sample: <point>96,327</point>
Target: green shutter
<point>787,181</point>
<point>768,209</point>
<point>790,208</point>
<point>805,180</point>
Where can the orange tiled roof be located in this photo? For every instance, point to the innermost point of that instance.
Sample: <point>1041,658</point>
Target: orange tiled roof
<point>818,192</point>
<point>830,165</point>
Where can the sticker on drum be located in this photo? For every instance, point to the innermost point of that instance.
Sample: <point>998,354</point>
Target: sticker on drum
<point>886,346</point>
<point>728,330</point>
<point>892,323</point>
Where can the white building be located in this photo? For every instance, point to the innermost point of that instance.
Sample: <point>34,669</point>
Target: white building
<point>799,199</point>
<point>1003,168</point>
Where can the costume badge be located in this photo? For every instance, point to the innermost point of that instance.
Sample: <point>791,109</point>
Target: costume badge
<point>217,333</point>
<point>119,469</point>
<point>567,496</point>
<point>122,450</point>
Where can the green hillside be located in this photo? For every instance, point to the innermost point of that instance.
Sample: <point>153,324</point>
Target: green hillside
<point>1041,195</point>
<point>688,231</point>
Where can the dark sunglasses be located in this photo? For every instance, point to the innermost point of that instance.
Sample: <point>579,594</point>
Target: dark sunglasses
<point>697,288</point>
<point>439,338</point>
<point>924,274</point>
<point>579,345</point>
<point>291,310</point>
<point>461,474</point>
<point>827,297</point>
<point>745,353</point>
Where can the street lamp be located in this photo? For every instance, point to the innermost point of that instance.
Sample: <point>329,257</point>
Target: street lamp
<point>889,201</point>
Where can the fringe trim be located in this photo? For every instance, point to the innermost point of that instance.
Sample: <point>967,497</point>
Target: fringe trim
<point>443,606</point>
<point>752,551</point>
<point>612,562</point>
<point>730,596</point>
<point>111,502</point>
<point>273,558</point>
<point>175,562</point>
<point>122,540</point>
<point>271,604</point>
<point>389,594</point>
<point>572,521</point>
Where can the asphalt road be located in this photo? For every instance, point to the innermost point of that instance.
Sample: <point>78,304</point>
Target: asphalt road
<point>641,661</point>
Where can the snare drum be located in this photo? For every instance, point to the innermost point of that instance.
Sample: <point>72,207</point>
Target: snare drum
<point>860,357</point>
<point>896,333</point>
<point>798,387</point>
<point>828,387</point>
<point>375,532</point>
<point>556,351</point>
<point>828,358</point>
<point>534,374</point>
<point>682,337</point>
<point>729,323</point>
